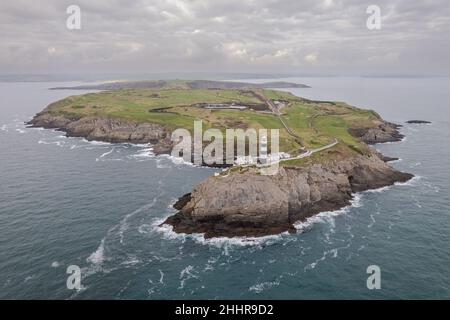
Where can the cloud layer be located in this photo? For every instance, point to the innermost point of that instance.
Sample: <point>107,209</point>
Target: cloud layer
<point>298,36</point>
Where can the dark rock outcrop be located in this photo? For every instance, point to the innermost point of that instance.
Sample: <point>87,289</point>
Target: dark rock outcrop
<point>418,122</point>
<point>385,132</point>
<point>389,159</point>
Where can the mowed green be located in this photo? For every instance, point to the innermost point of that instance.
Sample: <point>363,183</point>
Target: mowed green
<point>317,123</point>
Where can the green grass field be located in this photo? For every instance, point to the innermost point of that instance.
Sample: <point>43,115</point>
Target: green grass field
<point>317,123</point>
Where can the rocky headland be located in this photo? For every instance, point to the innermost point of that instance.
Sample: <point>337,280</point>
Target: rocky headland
<point>106,129</point>
<point>249,204</point>
<point>244,202</point>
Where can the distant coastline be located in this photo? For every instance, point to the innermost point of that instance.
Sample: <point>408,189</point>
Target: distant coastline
<point>183,84</point>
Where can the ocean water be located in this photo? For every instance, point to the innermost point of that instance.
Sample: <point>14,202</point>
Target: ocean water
<point>66,201</point>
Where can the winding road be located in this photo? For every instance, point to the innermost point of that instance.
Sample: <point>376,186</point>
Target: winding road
<point>276,111</point>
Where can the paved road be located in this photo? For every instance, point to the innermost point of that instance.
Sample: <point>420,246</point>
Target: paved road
<point>308,153</point>
<point>275,110</point>
<point>301,156</point>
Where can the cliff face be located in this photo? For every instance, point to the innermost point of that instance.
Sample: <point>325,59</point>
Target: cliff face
<point>107,130</point>
<point>385,132</point>
<point>248,204</point>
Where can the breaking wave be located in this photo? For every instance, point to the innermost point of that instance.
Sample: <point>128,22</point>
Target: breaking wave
<point>218,242</point>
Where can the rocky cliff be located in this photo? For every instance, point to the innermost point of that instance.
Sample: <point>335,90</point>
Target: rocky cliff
<point>107,130</point>
<point>249,204</point>
<point>384,132</point>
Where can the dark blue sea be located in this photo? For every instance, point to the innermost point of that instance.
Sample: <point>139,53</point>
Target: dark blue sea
<point>67,201</point>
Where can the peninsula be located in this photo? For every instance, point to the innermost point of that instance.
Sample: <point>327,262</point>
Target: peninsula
<point>327,143</point>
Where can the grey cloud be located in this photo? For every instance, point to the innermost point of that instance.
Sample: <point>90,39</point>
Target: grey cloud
<point>225,35</point>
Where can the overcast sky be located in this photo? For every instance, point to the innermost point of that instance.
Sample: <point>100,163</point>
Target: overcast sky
<point>265,36</point>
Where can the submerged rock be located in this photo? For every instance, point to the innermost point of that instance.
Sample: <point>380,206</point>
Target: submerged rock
<point>417,122</point>
<point>389,159</point>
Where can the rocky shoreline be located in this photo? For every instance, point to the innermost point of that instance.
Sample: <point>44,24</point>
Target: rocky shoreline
<point>385,132</point>
<point>256,205</point>
<point>106,130</point>
<point>124,131</point>
<point>259,205</point>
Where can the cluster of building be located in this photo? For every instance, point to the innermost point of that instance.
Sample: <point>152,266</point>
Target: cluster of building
<point>263,158</point>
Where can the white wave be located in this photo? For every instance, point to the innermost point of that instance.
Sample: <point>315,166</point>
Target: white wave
<point>141,145</point>
<point>96,143</point>
<point>379,190</point>
<point>107,153</point>
<point>372,222</point>
<point>332,252</point>
<point>218,242</point>
<point>404,139</point>
<point>145,228</point>
<point>161,165</point>
<point>4,127</point>
<point>171,203</point>
<point>411,182</point>
<point>186,274</point>
<point>314,264</point>
<point>29,278</point>
<point>36,128</point>
<point>123,225</point>
<point>58,143</point>
<point>436,189</point>
<point>328,216</point>
<point>55,264</point>
<point>161,278</point>
<point>260,287</point>
<point>224,242</point>
<point>132,260</point>
<point>20,130</point>
<point>144,153</point>
<point>178,160</point>
<point>356,201</point>
<point>98,256</point>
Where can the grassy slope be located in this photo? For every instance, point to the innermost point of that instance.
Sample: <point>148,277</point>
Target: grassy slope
<point>317,123</point>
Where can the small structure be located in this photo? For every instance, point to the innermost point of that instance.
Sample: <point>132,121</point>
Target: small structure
<point>263,150</point>
<point>245,160</point>
<point>223,106</point>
